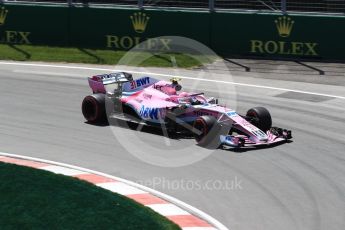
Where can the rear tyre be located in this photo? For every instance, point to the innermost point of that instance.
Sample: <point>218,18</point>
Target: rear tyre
<point>260,117</point>
<point>93,108</point>
<point>206,132</point>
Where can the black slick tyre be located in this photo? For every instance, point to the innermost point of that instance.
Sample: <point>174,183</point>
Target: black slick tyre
<point>93,108</point>
<point>260,117</point>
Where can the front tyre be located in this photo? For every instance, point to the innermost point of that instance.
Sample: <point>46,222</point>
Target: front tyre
<point>93,108</point>
<point>206,131</point>
<point>260,117</point>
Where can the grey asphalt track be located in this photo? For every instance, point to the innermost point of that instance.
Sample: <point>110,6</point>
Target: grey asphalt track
<point>298,185</point>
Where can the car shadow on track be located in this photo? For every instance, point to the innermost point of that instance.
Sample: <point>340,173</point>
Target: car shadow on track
<point>143,129</point>
<point>175,135</point>
<point>99,124</point>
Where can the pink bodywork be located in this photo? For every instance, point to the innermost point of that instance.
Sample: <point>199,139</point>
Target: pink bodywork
<point>152,98</point>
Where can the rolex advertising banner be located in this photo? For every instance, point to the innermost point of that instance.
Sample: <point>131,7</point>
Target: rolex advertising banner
<point>125,28</point>
<point>269,35</point>
<point>28,24</point>
<point>276,35</point>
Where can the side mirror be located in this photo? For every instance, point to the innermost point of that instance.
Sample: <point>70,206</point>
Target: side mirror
<point>212,100</point>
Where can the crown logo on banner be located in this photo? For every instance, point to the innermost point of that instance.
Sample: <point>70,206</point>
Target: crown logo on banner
<point>139,21</point>
<point>284,26</point>
<point>3,14</point>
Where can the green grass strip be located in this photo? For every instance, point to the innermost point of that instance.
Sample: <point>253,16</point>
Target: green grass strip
<point>90,56</point>
<point>37,199</point>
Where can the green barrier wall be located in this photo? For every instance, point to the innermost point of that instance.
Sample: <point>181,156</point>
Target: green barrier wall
<point>25,24</point>
<point>227,33</point>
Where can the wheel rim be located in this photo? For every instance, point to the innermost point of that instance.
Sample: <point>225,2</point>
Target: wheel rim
<point>252,114</point>
<point>200,125</point>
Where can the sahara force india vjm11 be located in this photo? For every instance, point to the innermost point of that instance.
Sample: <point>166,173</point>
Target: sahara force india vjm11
<point>159,103</point>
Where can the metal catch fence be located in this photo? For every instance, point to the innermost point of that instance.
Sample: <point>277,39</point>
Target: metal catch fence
<point>310,6</point>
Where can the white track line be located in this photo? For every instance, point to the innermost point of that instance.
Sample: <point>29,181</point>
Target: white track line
<point>167,209</point>
<point>121,188</point>
<point>170,75</point>
<point>61,170</point>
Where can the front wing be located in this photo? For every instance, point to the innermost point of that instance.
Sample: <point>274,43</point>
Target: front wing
<point>275,135</point>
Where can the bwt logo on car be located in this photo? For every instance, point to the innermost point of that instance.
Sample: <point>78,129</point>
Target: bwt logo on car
<point>153,113</point>
<point>140,82</point>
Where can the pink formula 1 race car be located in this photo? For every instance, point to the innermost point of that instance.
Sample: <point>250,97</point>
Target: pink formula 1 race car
<point>159,103</point>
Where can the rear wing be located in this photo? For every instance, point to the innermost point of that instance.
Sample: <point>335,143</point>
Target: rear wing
<point>98,82</point>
